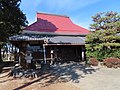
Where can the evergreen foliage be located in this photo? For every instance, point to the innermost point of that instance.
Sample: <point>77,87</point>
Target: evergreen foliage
<point>12,20</point>
<point>104,41</point>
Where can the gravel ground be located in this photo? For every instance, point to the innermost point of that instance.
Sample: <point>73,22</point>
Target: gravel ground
<point>68,76</point>
<point>104,79</point>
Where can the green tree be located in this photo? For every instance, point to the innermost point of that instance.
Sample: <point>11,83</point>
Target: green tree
<point>12,20</point>
<point>104,40</point>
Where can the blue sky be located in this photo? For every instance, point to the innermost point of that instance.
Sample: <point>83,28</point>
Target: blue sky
<point>80,11</point>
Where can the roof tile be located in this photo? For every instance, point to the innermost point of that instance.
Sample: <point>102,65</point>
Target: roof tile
<point>55,23</point>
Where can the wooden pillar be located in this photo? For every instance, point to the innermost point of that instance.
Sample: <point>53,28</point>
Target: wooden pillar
<point>51,53</point>
<point>83,54</point>
<point>20,56</point>
<point>19,59</point>
<point>44,52</point>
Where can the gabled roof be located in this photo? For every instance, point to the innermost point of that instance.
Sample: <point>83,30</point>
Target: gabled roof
<point>51,23</point>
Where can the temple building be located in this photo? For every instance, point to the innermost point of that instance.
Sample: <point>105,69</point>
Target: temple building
<point>52,37</point>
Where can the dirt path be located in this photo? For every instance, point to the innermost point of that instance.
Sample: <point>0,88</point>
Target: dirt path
<point>69,76</point>
<point>8,83</point>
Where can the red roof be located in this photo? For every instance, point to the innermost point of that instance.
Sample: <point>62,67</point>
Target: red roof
<point>55,24</point>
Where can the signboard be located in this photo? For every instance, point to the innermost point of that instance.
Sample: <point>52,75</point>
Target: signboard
<point>36,48</point>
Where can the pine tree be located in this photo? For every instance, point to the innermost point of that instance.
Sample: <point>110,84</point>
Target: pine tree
<point>104,41</point>
<point>11,20</point>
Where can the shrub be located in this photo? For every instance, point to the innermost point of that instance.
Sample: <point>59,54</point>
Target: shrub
<point>112,62</point>
<point>102,54</point>
<point>93,62</point>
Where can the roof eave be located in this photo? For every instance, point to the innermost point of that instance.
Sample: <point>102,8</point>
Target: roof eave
<point>52,33</point>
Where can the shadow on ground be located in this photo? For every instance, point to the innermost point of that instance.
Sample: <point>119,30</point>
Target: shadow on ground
<point>62,73</point>
<point>6,64</point>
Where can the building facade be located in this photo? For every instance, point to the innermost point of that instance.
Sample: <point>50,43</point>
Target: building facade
<point>52,38</point>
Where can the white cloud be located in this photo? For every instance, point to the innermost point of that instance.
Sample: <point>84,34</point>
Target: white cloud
<point>68,5</point>
<point>65,7</point>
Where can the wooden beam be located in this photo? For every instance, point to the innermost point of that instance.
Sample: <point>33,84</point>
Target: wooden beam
<point>64,44</point>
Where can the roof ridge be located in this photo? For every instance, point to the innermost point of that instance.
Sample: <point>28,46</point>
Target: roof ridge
<point>52,14</point>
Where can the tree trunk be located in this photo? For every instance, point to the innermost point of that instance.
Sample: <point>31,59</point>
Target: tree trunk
<point>1,56</point>
<point>1,62</point>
